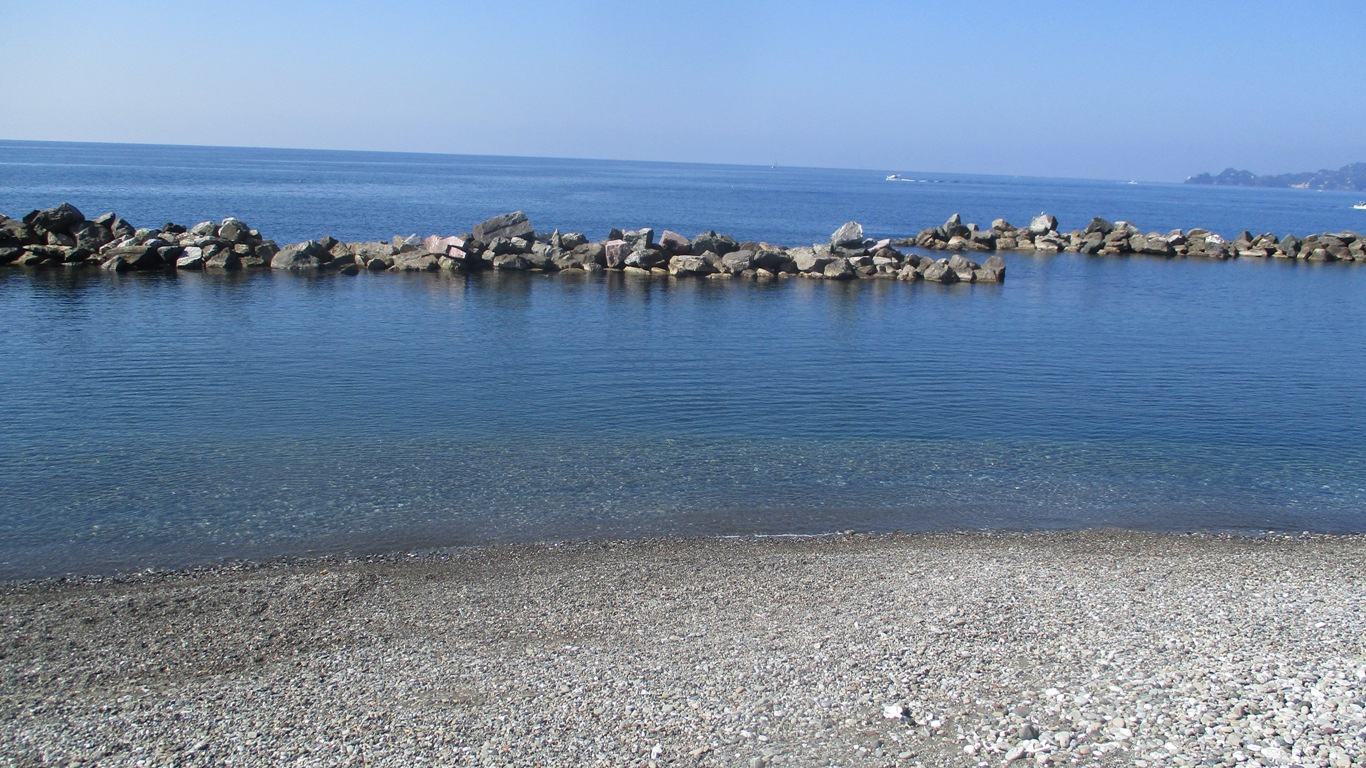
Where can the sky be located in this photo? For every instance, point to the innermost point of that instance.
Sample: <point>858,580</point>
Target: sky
<point>1153,91</point>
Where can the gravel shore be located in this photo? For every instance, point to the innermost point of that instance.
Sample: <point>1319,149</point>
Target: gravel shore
<point>1091,648</point>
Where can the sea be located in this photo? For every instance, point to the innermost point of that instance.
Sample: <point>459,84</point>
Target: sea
<point>154,421</point>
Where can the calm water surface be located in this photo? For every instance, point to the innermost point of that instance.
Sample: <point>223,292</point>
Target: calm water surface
<point>163,420</point>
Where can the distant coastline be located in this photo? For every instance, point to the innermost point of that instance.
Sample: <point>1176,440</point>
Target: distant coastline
<point>1349,178</point>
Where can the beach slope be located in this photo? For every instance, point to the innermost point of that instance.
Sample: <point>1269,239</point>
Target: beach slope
<point>1095,648</point>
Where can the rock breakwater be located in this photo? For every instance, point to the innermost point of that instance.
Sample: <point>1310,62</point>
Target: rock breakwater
<point>63,237</point>
<point>1105,238</point>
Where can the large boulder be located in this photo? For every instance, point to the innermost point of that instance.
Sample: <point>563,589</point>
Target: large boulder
<point>190,258</point>
<point>14,232</point>
<point>234,230</point>
<point>674,244</point>
<point>993,270</point>
<point>1100,225</point>
<point>717,244</point>
<point>839,269</point>
<point>646,258</point>
<point>1043,223</point>
<point>589,255</point>
<point>571,240</point>
<point>953,227</point>
<point>811,259</point>
<point>615,253</point>
<point>736,262</point>
<point>59,219</point>
<point>640,239</point>
<point>131,257</point>
<point>301,256</point>
<point>849,235</point>
<point>88,234</point>
<point>773,259</point>
<point>963,268</point>
<point>444,246</point>
<point>508,226</point>
<point>939,272</point>
<point>414,261</point>
<point>222,258</point>
<point>691,265</point>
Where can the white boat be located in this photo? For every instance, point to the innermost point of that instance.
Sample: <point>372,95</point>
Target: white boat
<point>1360,206</point>
<point>898,177</point>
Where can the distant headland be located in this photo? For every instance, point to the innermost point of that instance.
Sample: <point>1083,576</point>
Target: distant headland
<point>1349,178</point>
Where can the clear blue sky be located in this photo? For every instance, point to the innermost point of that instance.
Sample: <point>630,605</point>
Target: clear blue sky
<point>1146,90</point>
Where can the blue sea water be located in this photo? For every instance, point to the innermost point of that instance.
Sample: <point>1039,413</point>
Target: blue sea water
<point>168,420</point>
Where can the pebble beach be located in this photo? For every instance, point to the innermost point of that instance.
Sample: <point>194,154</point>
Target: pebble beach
<point>964,649</point>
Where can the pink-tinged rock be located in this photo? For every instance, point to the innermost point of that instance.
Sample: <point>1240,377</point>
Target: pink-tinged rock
<point>879,245</point>
<point>444,246</point>
<point>616,252</point>
<point>673,243</point>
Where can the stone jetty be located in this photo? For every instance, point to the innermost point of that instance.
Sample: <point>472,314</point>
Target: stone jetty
<point>63,237</point>
<point>1104,238</point>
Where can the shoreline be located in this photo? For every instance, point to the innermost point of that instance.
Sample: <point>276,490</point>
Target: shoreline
<point>1096,647</point>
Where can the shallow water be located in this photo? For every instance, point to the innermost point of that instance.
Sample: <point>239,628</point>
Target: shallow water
<point>166,420</point>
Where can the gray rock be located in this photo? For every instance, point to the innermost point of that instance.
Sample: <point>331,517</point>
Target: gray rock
<point>573,240</point>
<point>674,244</point>
<point>773,260</point>
<point>717,244</point>
<point>14,232</point>
<point>511,262</point>
<point>132,257</point>
<point>939,272</point>
<point>191,258</point>
<point>301,256</point>
<point>736,262</point>
<point>1100,226</point>
<point>1042,224</point>
<point>615,253</point>
<point>640,239</point>
<point>414,261</point>
<point>839,269</point>
<point>963,268</point>
<point>508,225</point>
<point>119,228</point>
<point>993,270</point>
<point>61,239</point>
<point>371,250</point>
<point>647,258</point>
<point>690,265</point>
<point>848,235</point>
<point>952,228</point>
<point>88,234</point>
<point>590,254</point>
<point>58,219</point>
<point>234,230</point>
<point>813,259</point>
<point>444,246</point>
<point>223,258</point>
